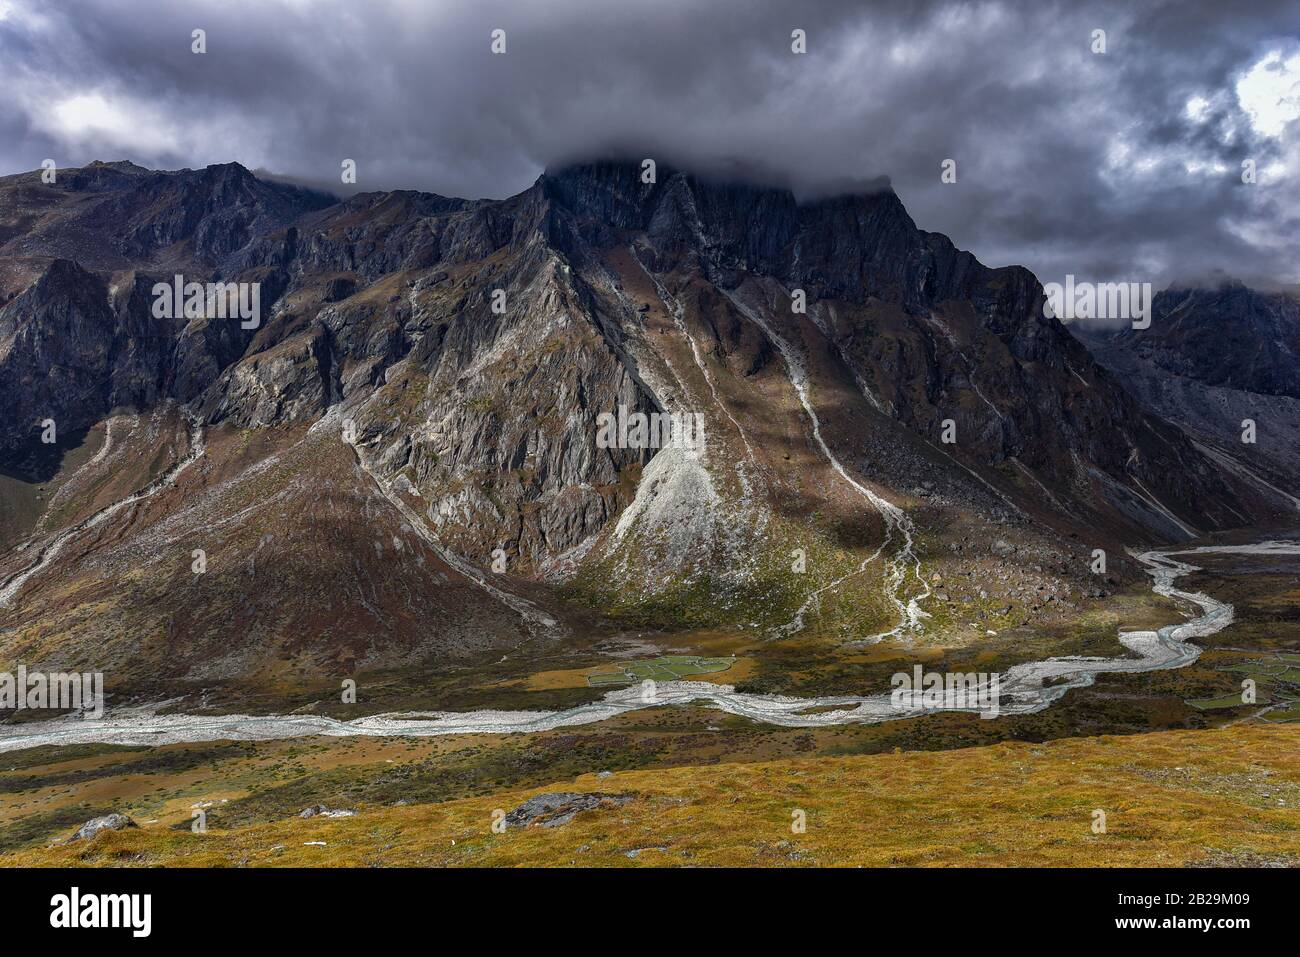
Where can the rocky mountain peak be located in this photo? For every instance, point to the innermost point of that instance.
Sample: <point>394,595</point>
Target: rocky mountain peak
<point>853,246</point>
<point>474,346</point>
<point>1188,329</point>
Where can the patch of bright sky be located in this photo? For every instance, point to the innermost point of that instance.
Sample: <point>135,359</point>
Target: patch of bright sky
<point>1194,167</point>
<point>1198,108</point>
<point>94,118</point>
<point>1269,91</point>
<point>106,124</point>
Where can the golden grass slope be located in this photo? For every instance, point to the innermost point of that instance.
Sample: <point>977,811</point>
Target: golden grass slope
<point>1173,798</point>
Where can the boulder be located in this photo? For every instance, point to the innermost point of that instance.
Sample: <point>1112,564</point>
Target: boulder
<point>109,822</point>
<point>561,807</point>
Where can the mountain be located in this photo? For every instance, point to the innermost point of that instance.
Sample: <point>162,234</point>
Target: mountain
<point>1213,359</point>
<point>399,466</point>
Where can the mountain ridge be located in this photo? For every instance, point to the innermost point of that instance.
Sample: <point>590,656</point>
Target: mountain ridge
<point>471,430</point>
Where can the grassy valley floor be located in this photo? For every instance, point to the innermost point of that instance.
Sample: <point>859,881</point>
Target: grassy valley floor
<point>1228,796</point>
<point>1185,770</point>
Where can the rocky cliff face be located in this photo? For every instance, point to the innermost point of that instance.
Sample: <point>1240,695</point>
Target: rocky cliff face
<point>1232,336</point>
<point>925,330</point>
<point>78,337</point>
<point>438,367</point>
<point>1212,361</point>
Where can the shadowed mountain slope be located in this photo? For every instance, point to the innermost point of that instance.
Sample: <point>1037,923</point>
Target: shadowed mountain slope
<point>399,465</point>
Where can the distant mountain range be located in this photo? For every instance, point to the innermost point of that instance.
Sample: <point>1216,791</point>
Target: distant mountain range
<point>400,463</point>
<point>1213,359</point>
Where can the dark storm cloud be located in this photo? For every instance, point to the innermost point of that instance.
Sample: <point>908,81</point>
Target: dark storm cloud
<point>1067,161</point>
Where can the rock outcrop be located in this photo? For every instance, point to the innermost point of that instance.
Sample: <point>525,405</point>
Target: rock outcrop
<point>560,807</point>
<point>109,822</point>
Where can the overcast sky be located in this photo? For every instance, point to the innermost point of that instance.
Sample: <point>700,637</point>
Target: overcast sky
<point>1122,165</point>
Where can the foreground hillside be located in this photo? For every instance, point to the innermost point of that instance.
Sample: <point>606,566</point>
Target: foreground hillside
<point>1170,799</point>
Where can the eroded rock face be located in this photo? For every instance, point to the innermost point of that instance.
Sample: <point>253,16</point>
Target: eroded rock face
<point>1213,359</point>
<point>81,339</point>
<point>56,350</point>
<point>1190,329</point>
<point>927,330</point>
<point>113,216</point>
<point>400,284</point>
